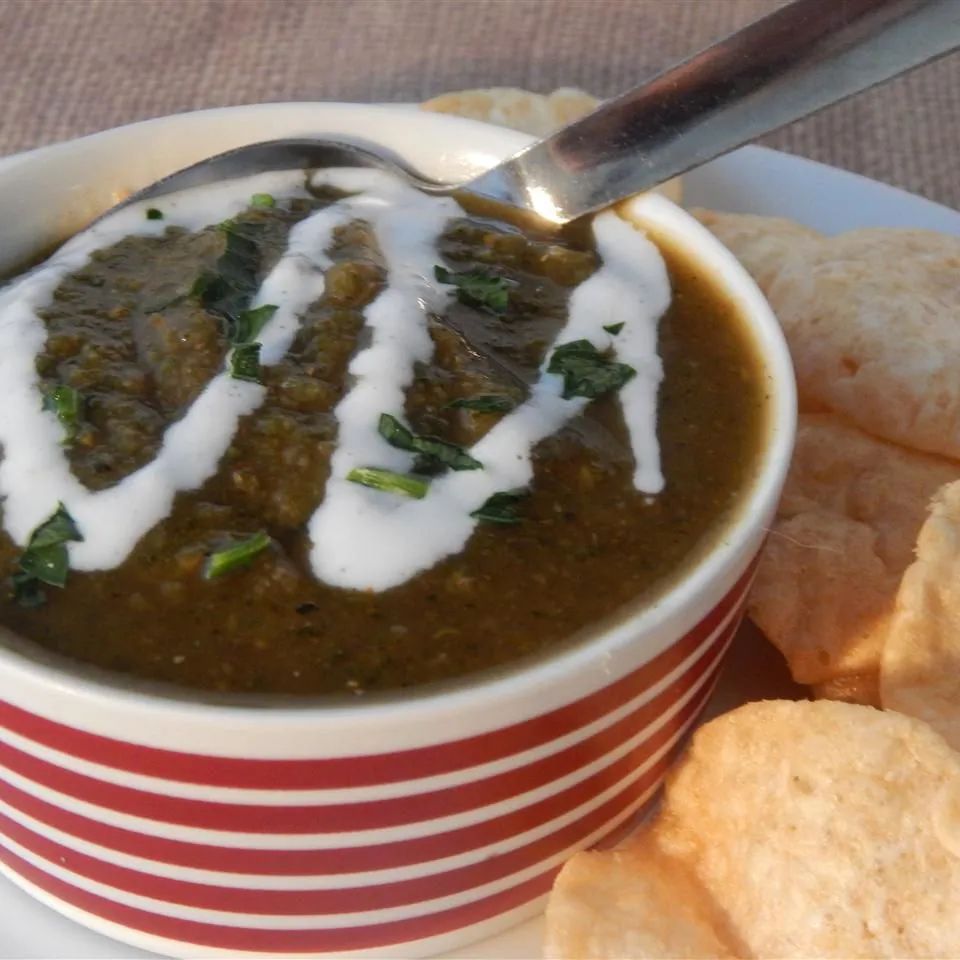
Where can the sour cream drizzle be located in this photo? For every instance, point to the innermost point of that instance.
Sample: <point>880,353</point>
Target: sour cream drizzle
<point>360,538</point>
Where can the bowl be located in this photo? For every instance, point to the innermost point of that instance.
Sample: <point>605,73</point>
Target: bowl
<point>403,825</point>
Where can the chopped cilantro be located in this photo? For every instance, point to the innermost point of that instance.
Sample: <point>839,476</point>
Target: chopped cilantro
<point>66,403</point>
<point>245,356</point>
<point>199,286</point>
<point>245,362</point>
<point>27,590</point>
<point>501,507</point>
<point>263,200</point>
<point>390,482</point>
<point>228,290</point>
<point>45,559</point>
<point>154,214</point>
<point>448,454</point>
<point>484,403</point>
<point>477,288</point>
<point>613,328</point>
<point>586,372</point>
<point>229,287</point>
<point>249,323</point>
<point>237,555</point>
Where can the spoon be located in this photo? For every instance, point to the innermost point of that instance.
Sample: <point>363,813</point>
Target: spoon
<point>804,56</point>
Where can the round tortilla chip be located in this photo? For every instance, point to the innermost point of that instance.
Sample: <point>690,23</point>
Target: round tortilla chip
<point>804,829</point>
<point>818,827</point>
<point>851,688</point>
<point>871,317</point>
<point>920,672</point>
<point>844,534</point>
<point>630,902</point>
<point>535,113</point>
<point>761,244</point>
<point>823,597</point>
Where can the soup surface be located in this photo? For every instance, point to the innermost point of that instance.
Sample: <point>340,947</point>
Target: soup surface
<point>227,592</point>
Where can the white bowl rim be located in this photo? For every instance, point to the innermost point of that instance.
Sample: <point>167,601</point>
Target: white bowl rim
<point>512,680</point>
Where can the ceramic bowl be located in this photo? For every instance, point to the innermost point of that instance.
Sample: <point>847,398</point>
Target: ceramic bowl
<point>402,825</point>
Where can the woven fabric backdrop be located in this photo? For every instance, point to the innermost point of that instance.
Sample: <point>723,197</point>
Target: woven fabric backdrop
<point>69,67</point>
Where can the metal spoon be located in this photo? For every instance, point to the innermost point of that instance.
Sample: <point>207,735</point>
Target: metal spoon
<point>805,56</point>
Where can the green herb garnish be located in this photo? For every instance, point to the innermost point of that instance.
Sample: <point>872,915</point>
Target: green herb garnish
<point>263,200</point>
<point>198,288</point>
<point>46,559</point>
<point>484,403</point>
<point>238,555</point>
<point>66,403</point>
<point>501,507</point>
<point>613,328</point>
<point>27,590</point>
<point>245,362</point>
<point>245,356</point>
<point>228,289</point>
<point>249,323</point>
<point>476,288</point>
<point>390,482</point>
<point>448,454</point>
<point>586,372</point>
<point>154,214</point>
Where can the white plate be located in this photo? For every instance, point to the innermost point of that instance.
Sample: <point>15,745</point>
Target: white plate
<point>751,180</point>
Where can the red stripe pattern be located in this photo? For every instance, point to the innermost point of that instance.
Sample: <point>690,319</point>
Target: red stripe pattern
<point>456,856</point>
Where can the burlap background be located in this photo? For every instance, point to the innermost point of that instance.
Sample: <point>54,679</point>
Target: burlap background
<point>69,67</point>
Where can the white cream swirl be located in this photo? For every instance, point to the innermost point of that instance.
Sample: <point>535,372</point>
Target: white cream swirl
<point>360,538</point>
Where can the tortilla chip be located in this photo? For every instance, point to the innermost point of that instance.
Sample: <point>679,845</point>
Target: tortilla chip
<point>761,244</point>
<point>535,113</point>
<point>804,829</point>
<point>630,902</point>
<point>920,673</point>
<point>851,688</point>
<point>844,534</point>
<point>871,319</point>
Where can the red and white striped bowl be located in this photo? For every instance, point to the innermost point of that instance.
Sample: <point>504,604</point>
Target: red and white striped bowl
<point>398,827</point>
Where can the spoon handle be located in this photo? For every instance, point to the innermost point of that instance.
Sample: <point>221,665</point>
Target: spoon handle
<point>805,56</point>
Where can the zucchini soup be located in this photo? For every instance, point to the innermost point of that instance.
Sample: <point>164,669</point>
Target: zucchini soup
<point>319,433</point>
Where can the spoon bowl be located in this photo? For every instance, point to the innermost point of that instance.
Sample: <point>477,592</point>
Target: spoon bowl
<point>285,154</point>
